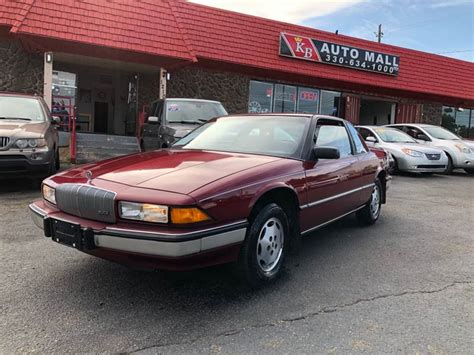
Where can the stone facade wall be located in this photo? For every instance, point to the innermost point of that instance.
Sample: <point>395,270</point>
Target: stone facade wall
<point>432,113</point>
<point>20,71</point>
<point>148,89</point>
<point>229,88</point>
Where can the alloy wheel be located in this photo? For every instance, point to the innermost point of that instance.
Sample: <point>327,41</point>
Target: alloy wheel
<point>270,244</point>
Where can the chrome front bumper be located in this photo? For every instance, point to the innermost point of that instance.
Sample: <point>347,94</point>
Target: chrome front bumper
<point>158,244</point>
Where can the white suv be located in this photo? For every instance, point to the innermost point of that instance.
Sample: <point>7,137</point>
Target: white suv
<point>460,155</point>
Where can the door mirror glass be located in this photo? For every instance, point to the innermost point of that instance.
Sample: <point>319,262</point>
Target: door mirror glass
<point>326,153</point>
<point>153,119</point>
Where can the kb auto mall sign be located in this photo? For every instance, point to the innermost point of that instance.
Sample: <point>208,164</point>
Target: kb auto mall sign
<point>337,54</point>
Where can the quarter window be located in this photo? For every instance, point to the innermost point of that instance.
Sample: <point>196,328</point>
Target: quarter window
<point>332,134</point>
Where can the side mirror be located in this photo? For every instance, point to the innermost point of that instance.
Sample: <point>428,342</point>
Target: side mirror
<point>371,139</point>
<point>326,153</point>
<point>423,137</point>
<point>56,120</point>
<point>153,119</point>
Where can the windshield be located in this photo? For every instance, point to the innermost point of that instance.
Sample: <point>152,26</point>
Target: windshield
<point>441,133</point>
<point>268,135</point>
<point>20,108</point>
<point>192,111</point>
<point>390,135</point>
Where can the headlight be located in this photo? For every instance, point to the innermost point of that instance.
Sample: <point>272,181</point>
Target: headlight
<point>462,148</point>
<point>31,143</point>
<point>143,212</point>
<point>412,153</point>
<point>49,193</point>
<point>188,215</point>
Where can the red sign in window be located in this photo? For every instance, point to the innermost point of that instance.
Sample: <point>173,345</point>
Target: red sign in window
<point>308,95</point>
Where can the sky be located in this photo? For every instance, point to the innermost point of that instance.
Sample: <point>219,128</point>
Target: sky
<point>443,27</point>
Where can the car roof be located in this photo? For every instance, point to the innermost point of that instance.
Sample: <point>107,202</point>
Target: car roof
<point>413,124</point>
<point>195,100</point>
<point>20,94</point>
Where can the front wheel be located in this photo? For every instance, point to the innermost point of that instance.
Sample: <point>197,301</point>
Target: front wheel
<point>265,246</point>
<point>371,211</point>
<point>450,166</point>
<point>469,171</point>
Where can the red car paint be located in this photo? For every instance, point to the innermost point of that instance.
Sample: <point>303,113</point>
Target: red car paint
<point>225,185</point>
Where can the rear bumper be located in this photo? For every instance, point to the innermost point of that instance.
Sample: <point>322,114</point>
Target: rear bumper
<point>121,242</point>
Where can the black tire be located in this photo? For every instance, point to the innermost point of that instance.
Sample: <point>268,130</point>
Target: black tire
<point>368,215</point>
<point>57,161</point>
<point>450,166</point>
<point>469,171</point>
<point>395,169</point>
<point>53,164</point>
<point>251,266</point>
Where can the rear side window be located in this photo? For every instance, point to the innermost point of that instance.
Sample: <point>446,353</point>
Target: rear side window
<point>359,146</point>
<point>332,134</point>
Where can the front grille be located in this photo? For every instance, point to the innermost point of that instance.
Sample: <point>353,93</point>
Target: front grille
<point>431,166</point>
<point>433,156</point>
<point>4,141</point>
<point>86,201</point>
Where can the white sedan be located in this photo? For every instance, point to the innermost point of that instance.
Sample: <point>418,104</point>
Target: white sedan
<point>409,155</point>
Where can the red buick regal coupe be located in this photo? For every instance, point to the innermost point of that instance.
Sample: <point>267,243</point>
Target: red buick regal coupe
<point>237,189</point>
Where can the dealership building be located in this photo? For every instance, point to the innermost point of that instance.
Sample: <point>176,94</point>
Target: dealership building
<point>109,59</point>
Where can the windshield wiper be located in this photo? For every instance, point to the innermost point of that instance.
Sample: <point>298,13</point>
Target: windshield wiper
<point>15,118</point>
<point>186,122</point>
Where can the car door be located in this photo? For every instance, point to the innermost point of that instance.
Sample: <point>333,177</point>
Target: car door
<point>330,183</point>
<point>365,168</point>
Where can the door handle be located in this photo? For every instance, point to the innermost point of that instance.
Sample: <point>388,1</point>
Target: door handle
<point>342,178</point>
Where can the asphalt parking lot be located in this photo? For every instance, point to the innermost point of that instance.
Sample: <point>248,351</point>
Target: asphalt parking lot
<point>404,285</point>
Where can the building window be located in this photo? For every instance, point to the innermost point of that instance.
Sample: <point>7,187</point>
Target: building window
<point>285,98</point>
<point>308,100</point>
<point>330,103</point>
<point>459,121</point>
<point>261,97</point>
<point>267,97</point>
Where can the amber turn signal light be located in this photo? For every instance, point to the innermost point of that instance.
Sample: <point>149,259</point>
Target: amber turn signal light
<point>188,215</point>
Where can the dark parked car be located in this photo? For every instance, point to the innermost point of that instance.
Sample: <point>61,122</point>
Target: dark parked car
<point>171,119</point>
<point>28,137</point>
<point>237,189</point>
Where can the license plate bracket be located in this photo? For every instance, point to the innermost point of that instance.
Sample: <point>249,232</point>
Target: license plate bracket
<point>66,233</point>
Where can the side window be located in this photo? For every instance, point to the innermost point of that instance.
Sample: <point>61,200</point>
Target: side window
<point>359,146</point>
<point>412,131</point>
<point>364,132</point>
<point>334,134</point>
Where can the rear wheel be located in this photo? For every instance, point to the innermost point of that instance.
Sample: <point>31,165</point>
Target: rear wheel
<point>371,211</point>
<point>265,246</point>
<point>469,171</point>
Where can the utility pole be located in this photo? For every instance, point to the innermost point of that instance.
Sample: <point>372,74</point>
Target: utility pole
<point>379,34</point>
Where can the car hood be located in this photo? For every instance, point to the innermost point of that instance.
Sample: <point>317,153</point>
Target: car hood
<point>174,170</point>
<point>179,130</point>
<point>418,147</point>
<point>22,129</point>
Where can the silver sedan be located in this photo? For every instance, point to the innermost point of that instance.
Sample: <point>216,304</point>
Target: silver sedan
<point>409,155</point>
